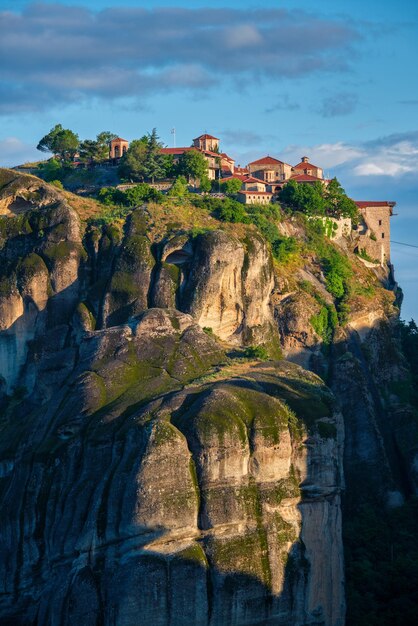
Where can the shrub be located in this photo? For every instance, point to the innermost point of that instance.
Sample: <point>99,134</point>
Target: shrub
<point>132,197</point>
<point>179,189</point>
<point>325,322</point>
<point>229,210</point>
<point>256,352</point>
<point>57,183</point>
<point>285,248</point>
<point>231,187</point>
<point>111,195</point>
<point>141,193</point>
<point>337,271</point>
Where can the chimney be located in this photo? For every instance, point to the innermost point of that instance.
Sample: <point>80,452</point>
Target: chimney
<point>305,160</point>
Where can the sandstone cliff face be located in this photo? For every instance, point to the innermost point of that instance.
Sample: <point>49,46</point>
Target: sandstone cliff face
<point>133,497</point>
<point>144,476</point>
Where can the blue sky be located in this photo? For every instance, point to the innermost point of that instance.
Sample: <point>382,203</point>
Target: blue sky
<point>330,79</point>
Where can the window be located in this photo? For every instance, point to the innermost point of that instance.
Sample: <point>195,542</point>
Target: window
<point>383,235</point>
<point>380,222</point>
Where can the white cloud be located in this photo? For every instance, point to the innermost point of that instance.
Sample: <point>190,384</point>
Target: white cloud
<point>13,151</point>
<point>393,156</point>
<point>381,168</point>
<point>325,155</point>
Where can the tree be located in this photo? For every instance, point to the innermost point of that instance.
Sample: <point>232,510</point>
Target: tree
<point>60,141</point>
<point>154,159</point>
<point>47,142</point>
<point>132,164</point>
<point>338,203</point>
<point>307,198</point>
<point>193,165</point>
<point>179,188</point>
<point>88,151</point>
<point>205,184</point>
<point>96,151</point>
<point>51,170</point>
<point>170,168</point>
<point>135,196</point>
<point>231,187</point>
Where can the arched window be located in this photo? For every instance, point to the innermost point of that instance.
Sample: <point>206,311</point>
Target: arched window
<point>117,152</point>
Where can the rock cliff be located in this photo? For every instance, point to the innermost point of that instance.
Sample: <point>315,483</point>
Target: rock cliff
<point>152,469</point>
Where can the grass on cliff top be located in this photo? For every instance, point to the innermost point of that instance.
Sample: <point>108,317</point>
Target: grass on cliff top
<point>12,181</point>
<point>169,216</point>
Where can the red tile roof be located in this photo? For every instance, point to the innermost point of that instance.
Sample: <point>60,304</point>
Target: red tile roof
<point>119,139</point>
<point>363,204</point>
<point>206,136</point>
<point>237,176</point>
<point>305,165</point>
<point>245,179</point>
<point>175,150</point>
<point>209,152</point>
<point>266,160</point>
<point>252,179</point>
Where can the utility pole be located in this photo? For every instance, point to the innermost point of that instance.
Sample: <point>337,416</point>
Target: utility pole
<point>173,132</point>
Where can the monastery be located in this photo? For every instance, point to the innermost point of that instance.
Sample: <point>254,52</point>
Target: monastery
<point>264,178</point>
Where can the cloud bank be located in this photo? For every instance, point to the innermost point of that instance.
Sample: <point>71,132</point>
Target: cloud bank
<point>391,156</point>
<point>55,54</point>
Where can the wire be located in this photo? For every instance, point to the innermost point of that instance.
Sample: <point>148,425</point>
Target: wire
<point>409,245</point>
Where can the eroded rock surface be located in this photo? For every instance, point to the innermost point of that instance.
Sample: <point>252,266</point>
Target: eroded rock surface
<point>146,477</point>
<point>141,494</point>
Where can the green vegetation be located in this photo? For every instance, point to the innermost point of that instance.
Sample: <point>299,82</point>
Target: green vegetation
<point>30,266</point>
<point>57,183</point>
<point>15,226</point>
<point>131,197</point>
<point>324,323</point>
<point>193,165</point>
<point>231,187</point>
<point>179,189</point>
<point>154,165</point>
<point>335,265</point>
<point>285,249</point>
<point>263,216</point>
<point>363,255</point>
<point>194,554</point>
<point>337,271</point>
<point>60,141</point>
<point>52,170</point>
<point>318,199</point>
<point>94,151</point>
<point>144,161</point>
<point>62,250</point>
<point>330,227</point>
<point>256,352</point>
<point>132,164</point>
<point>228,210</point>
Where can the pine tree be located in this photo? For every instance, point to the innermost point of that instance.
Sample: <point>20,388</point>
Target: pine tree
<point>154,166</point>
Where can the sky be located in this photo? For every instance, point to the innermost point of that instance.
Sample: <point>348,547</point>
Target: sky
<point>333,80</point>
